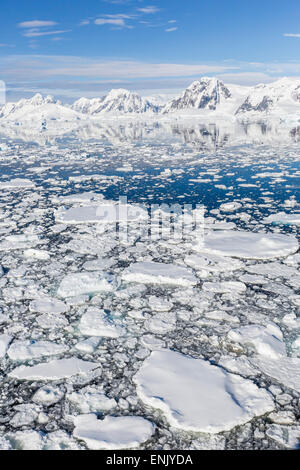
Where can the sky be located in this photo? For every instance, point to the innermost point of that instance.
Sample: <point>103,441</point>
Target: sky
<point>80,48</point>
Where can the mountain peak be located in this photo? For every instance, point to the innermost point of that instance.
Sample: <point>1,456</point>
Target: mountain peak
<point>118,101</point>
<point>206,93</point>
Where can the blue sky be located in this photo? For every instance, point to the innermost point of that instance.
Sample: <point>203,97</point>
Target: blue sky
<point>73,48</point>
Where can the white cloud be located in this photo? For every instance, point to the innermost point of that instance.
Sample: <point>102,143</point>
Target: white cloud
<point>33,33</point>
<point>170,30</point>
<point>149,10</point>
<point>41,66</point>
<point>292,35</point>
<point>112,21</point>
<point>36,24</point>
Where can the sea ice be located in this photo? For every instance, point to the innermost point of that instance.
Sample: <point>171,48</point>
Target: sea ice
<point>224,286</point>
<point>94,322</point>
<point>4,342</point>
<point>53,370</point>
<point>266,341</point>
<point>198,396</point>
<point>286,370</point>
<point>36,254</point>
<point>112,433</point>
<point>85,283</point>
<point>91,400</point>
<point>47,395</point>
<point>17,183</point>
<point>48,305</point>
<point>281,218</point>
<point>23,350</point>
<point>102,213</point>
<point>159,273</point>
<point>249,245</point>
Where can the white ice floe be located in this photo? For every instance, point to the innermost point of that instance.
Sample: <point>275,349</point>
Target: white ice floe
<point>159,273</point>
<point>161,323</point>
<point>281,218</point>
<point>26,414</point>
<point>112,433</point>
<point>249,245</point>
<point>287,436</point>
<point>198,396</point>
<point>230,206</point>
<point>211,263</point>
<point>50,321</point>
<point>19,242</point>
<point>23,350</point>
<point>17,183</point>
<point>91,400</point>
<point>272,270</point>
<point>4,342</point>
<point>266,341</point>
<point>90,283</point>
<point>53,370</point>
<point>224,287</point>
<point>285,370</point>
<point>158,304</point>
<point>48,305</point>
<point>47,395</point>
<point>102,213</point>
<point>36,254</point>
<point>94,322</point>
<point>88,345</point>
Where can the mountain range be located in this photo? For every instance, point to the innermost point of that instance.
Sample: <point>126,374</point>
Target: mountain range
<point>208,97</point>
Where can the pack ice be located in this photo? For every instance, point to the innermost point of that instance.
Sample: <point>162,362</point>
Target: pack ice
<point>159,273</point>
<point>249,245</point>
<point>198,396</point>
<point>112,433</point>
<point>89,283</point>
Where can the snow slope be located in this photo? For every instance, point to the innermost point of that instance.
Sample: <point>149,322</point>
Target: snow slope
<point>207,98</point>
<point>278,98</point>
<point>116,102</point>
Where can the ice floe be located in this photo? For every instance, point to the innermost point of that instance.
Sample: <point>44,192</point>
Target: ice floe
<point>283,218</point>
<point>266,341</point>
<point>198,396</point>
<point>159,273</point>
<point>94,322</point>
<point>112,433</point>
<point>102,214</point>
<point>85,283</point>
<point>24,350</point>
<point>4,342</point>
<point>250,245</point>
<point>53,370</point>
<point>286,370</point>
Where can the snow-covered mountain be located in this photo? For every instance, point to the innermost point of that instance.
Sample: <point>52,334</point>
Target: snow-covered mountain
<point>118,101</point>
<point>88,106</point>
<point>37,108</point>
<point>207,93</point>
<point>207,98</point>
<point>279,98</point>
